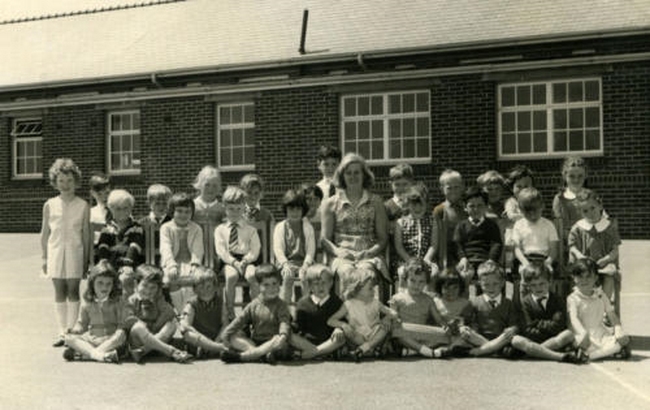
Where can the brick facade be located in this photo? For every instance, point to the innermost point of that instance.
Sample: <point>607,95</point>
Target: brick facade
<point>178,139</point>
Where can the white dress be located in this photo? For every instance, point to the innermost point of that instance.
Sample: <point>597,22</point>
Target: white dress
<point>590,311</point>
<point>65,248</point>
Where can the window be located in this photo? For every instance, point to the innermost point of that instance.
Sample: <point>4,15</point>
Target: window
<point>236,135</point>
<point>27,141</point>
<point>550,118</point>
<point>124,142</point>
<point>387,127</point>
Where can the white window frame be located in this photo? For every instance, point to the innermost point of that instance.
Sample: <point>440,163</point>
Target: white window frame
<point>244,125</point>
<point>110,133</point>
<point>549,106</point>
<point>385,117</point>
<point>20,137</point>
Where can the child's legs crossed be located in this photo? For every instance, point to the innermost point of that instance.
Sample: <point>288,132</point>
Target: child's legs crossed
<point>559,341</point>
<point>141,335</point>
<point>413,335</point>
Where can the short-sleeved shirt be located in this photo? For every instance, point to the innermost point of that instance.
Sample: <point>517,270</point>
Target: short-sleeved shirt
<point>534,237</point>
<point>154,313</point>
<point>413,308</point>
<point>263,318</point>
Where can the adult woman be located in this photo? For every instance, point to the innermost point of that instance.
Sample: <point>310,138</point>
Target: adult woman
<point>354,223</point>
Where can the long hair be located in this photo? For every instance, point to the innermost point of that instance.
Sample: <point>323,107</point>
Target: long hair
<point>105,269</point>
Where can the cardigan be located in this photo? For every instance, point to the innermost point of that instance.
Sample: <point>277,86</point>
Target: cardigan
<point>170,243</point>
<point>279,244</point>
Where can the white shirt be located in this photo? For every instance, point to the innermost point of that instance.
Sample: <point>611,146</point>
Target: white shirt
<point>488,299</point>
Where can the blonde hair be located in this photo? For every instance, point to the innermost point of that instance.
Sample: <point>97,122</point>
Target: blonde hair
<point>158,191</point>
<point>203,274</point>
<point>318,271</point>
<point>120,197</point>
<point>234,195</point>
<point>488,268</point>
<point>491,177</point>
<point>206,173</point>
<point>358,280</point>
<point>449,175</point>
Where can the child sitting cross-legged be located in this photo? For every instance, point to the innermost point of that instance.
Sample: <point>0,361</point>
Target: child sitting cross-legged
<point>151,320</point>
<point>364,328</point>
<point>312,335</point>
<point>266,321</point>
<point>544,329</point>
<point>99,331</point>
<point>203,318</point>
<point>417,313</point>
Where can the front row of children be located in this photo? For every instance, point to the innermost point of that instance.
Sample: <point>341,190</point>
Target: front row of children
<point>443,325</point>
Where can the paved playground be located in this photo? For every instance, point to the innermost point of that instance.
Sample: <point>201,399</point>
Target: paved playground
<point>34,376</point>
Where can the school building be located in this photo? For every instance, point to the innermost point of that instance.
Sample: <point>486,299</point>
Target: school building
<point>150,91</point>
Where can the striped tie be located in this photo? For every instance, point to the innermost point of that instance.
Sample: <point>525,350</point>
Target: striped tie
<point>232,241</point>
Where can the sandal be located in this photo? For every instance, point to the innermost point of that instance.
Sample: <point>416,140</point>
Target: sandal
<point>111,357</point>
<point>180,356</point>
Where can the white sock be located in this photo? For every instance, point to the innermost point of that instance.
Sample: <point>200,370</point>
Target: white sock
<point>73,312</point>
<point>426,351</point>
<point>61,313</point>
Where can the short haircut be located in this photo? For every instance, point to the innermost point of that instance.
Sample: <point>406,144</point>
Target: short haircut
<point>517,173</point>
<point>449,175</point>
<point>64,166</point>
<point>583,265</point>
<point>250,181</point>
<point>266,271</point>
<point>105,269</point>
<point>119,197</point>
<point>588,195</point>
<point>314,189</point>
<point>529,199</point>
<point>359,279</point>
<point>488,268</point>
<point>401,171</point>
<point>475,192</point>
<point>449,277</point>
<point>149,274</point>
<point>293,198</point>
<point>328,151</point>
<point>349,159</point>
<point>203,274</point>
<point>158,192</point>
<point>573,162</point>
<point>233,195</point>
<point>207,172</point>
<point>180,199</point>
<point>416,267</point>
<point>318,271</point>
<point>98,181</point>
<point>535,270</point>
<point>491,177</point>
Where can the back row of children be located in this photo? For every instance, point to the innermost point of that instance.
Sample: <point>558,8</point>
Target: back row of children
<point>238,246</point>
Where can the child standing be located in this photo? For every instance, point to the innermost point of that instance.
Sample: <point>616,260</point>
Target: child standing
<point>237,245</point>
<point>157,197</point>
<point>596,237</point>
<point>151,320</point>
<point>207,208</point>
<point>364,328</point>
<point>100,187</point>
<point>314,197</point>
<point>586,306</point>
<point>477,238</point>
<point>493,184</point>
<point>99,330</point>
<point>122,239</point>
<point>543,332</point>
<point>268,319</point>
<point>253,187</point>
<point>313,336</point>
<point>417,313</point>
<point>203,317</point>
<point>565,205</point>
<point>181,249</point>
<point>65,242</point>
<point>401,179</point>
<point>447,215</point>
<point>415,233</point>
<point>328,161</point>
<point>294,243</point>
<point>520,178</point>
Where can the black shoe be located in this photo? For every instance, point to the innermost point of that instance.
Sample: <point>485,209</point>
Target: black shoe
<point>571,358</point>
<point>59,341</point>
<point>230,357</point>
<point>460,351</point>
<point>625,352</point>
<point>442,353</point>
<point>271,358</point>
<point>581,356</point>
<point>69,354</point>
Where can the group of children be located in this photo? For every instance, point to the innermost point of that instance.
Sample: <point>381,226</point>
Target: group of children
<point>175,295</point>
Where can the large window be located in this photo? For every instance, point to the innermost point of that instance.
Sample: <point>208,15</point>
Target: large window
<point>550,118</point>
<point>27,139</point>
<point>236,135</point>
<point>124,142</point>
<point>387,127</point>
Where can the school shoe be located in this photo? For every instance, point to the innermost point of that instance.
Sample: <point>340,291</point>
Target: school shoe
<point>112,357</point>
<point>357,355</point>
<point>137,355</point>
<point>571,357</point>
<point>180,356</point>
<point>69,354</point>
<point>442,353</point>
<point>59,341</point>
<point>230,357</point>
<point>625,353</point>
<point>271,358</point>
<point>459,351</point>
<point>581,356</point>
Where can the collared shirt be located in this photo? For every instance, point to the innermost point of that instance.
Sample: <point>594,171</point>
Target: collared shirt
<point>475,222</point>
<point>325,186</point>
<point>319,302</point>
<point>489,300</point>
<point>542,300</point>
<point>248,242</point>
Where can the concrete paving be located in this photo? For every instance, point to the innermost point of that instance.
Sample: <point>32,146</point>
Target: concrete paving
<point>34,376</point>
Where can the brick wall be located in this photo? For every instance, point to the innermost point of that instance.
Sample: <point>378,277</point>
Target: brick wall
<point>178,139</point>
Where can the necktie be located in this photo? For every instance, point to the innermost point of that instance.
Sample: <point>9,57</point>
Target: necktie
<point>252,213</point>
<point>332,190</point>
<point>541,302</point>
<point>234,238</point>
<point>493,303</point>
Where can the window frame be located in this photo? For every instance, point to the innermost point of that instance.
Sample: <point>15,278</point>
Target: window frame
<point>549,106</point>
<point>110,133</point>
<point>242,125</point>
<point>16,138</point>
<point>385,118</point>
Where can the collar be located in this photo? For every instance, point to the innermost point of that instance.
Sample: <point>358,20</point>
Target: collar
<point>365,197</point>
<point>568,194</point>
<point>401,202</point>
<point>257,206</point>
<point>598,293</point>
<point>201,201</point>
<point>488,299</point>
<point>319,302</point>
<point>457,205</point>
<point>600,225</point>
<point>237,223</point>
<point>537,299</point>
<point>476,223</point>
<point>153,217</point>
<point>115,225</point>
<point>186,227</point>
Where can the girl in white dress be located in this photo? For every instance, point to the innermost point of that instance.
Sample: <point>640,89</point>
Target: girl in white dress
<point>364,327</point>
<point>587,306</point>
<point>65,242</point>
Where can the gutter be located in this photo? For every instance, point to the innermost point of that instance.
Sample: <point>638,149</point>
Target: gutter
<point>352,57</point>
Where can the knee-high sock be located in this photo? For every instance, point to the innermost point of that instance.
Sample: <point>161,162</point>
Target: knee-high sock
<point>73,312</point>
<point>61,313</point>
